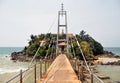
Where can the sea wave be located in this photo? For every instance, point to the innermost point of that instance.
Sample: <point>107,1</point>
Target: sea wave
<point>5,59</point>
<point>11,70</point>
<point>8,66</point>
<point>5,56</point>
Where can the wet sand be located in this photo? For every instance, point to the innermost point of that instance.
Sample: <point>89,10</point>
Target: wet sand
<point>5,77</point>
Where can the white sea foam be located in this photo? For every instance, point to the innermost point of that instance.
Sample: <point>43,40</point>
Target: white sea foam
<point>8,66</point>
<point>5,56</point>
<point>10,70</point>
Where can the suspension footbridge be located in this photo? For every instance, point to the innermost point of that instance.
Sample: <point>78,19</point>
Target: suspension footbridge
<point>60,71</point>
<point>60,66</point>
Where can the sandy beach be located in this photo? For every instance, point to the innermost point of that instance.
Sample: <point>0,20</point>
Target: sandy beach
<point>28,78</point>
<point>5,77</point>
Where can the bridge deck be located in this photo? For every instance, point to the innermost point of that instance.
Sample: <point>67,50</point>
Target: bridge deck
<point>60,71</point>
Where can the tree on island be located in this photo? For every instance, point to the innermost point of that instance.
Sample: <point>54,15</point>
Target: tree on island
<point>89,46</point>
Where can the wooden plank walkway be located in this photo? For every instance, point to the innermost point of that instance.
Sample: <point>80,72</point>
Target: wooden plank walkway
<point>60,71</point>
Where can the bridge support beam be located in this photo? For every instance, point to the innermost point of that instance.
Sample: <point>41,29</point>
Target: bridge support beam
<point>62,24</point>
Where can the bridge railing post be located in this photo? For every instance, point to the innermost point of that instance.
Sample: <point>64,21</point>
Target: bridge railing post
<point>48,63</point>
<point>35,73</point>
<point>82,74</point>
<point>76,64</point>
<point>20,76</point>
<point>45,65</point>
<point>91,78</point>
<point>78,71</point>
<point>40,69</point>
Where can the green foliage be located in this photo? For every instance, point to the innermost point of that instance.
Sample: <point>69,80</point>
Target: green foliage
<point>35,42</point>
<point>85,43</point>
<point>95,47</point>
<point>41,37</point>
<point>89,45</point>
<point>77,50</point>
<point>91,54</point>
<point>31,49</point>
<point>86,49</point>
<point>51,50</point>
<point>98,48</point>
<point>41,52</point>
<point>33,45</point>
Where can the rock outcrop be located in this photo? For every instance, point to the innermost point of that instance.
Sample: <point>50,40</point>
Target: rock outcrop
<point>20,56</point>
<point>113,63</point>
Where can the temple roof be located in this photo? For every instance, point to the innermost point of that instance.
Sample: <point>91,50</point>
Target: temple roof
<point>62,44</point>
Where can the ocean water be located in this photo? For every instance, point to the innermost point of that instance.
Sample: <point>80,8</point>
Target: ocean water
<point>7,65</point>
<point>115,50</point>
<point>112,71</point>
<point>9,50</point>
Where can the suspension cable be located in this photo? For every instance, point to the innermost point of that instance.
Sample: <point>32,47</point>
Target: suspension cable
<point>40,46</point>
<point>98,78</point>
<point>29,66</point>
<point>48,50</point>
<point>83,56</point>
<point>73,49</point>
<point>86,61</point>
<point>48,47</point>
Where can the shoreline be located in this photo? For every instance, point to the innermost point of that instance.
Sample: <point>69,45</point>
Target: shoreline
<point>107,59</point>
<point>105,67</point>
<point>108,73</point>
<point>98,60</point>
<point>6,76</point>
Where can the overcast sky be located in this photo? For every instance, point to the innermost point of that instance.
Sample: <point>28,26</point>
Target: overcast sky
<point>21,18</point>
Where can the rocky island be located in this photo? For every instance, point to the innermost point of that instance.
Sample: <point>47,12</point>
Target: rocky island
<point>92,49</point>
<point>90,46</point>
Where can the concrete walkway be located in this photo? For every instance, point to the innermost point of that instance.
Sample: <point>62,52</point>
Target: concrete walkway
<point>60,71</point>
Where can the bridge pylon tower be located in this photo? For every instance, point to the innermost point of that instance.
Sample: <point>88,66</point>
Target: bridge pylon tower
<point>62,26</point>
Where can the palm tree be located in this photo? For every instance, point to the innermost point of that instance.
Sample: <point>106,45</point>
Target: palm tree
<point>82,34</point>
